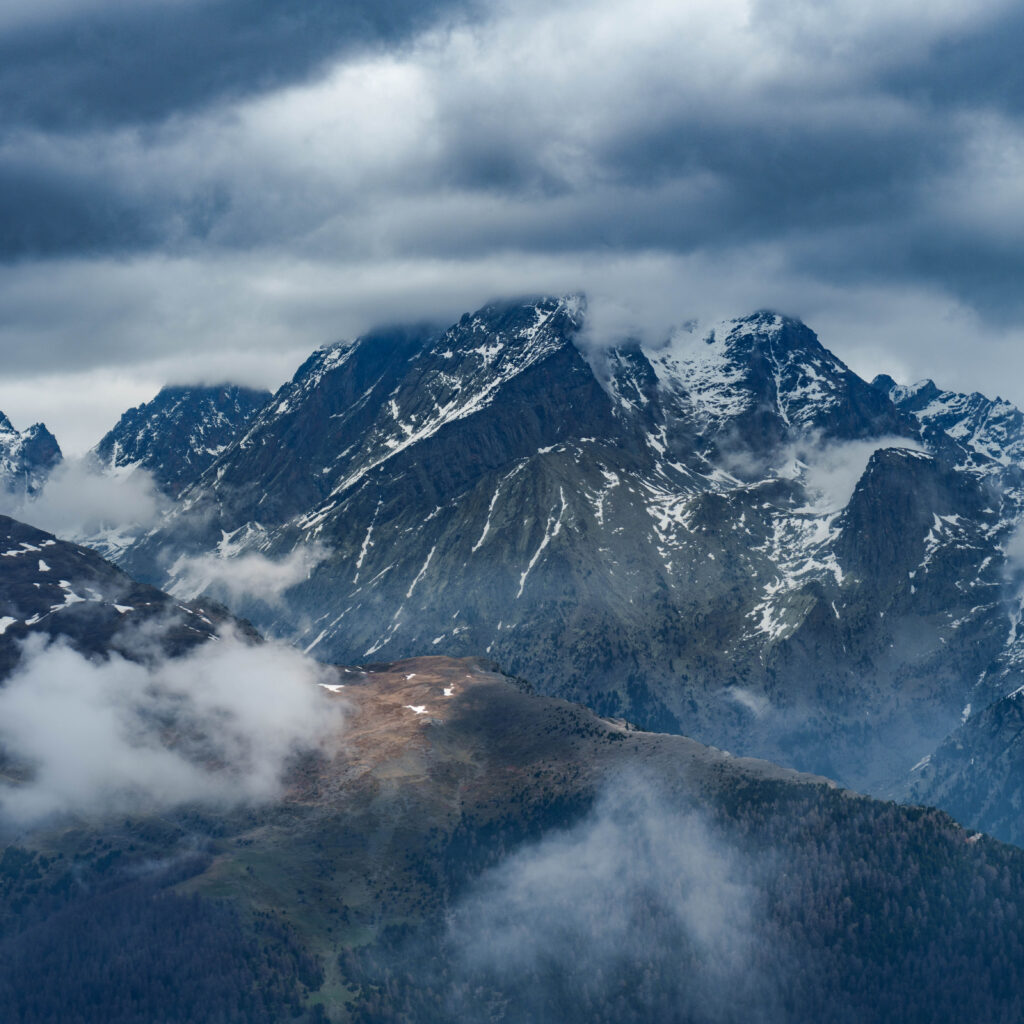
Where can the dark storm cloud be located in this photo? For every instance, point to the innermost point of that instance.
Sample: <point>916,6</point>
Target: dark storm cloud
<point>979,67</point>
<point>106,64</point>
<point>59,207</point>
<point>982,270</point>
<point>43,213</point>
<point>691,184</point>
<point>82,70</point>
<point>192,187</point>
<point>681,159</point>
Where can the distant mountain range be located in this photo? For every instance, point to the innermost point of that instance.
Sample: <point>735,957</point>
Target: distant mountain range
<point>473,849</point>
<point>730,535</point>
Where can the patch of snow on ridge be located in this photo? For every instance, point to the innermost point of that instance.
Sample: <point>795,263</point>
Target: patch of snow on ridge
<point>801,549</point>
<point>992,428</point>
<point>551,530</point>
<point>945,530</point>
<point>332,357</point>
<point>490,508</point>
<point>420,574</point>
<point>705,369</point>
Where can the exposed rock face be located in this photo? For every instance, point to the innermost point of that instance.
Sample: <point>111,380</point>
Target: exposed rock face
<point>179,433</point>
<point>977,772</point>
<point>26,458</point>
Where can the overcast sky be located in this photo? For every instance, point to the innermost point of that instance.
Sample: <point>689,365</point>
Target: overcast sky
<point>209,189</point>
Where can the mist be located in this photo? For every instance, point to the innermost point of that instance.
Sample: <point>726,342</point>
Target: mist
<point>641,901</point>
<point>217,726</point>
<point>829,470</point>
<point>238,579</point>
<point>1013,551</point>
<point>79,500</point>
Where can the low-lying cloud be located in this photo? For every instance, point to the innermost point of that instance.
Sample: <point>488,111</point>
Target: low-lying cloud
<point>216,726</point>
<point>80,501</point>
<point>239,579</point>
<point>641,888</point>
<point>830,470</point>
<point>1013,552</point>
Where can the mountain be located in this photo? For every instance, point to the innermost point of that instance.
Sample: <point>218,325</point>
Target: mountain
<point>976,772</point>
<point>26,458</point>
<point>993,430</point>
<point>178,434</point>
<point>730,535</point>
<point>474,851</point>
<point>57,590</point>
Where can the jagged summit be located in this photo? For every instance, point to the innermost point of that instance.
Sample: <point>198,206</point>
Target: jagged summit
<point>731,535</point>
<point>26,457</point>
<point>764,379</point>
<point>178,434</point>
<point>992,429</point>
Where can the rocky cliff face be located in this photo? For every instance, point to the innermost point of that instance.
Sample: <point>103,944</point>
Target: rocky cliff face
<point>26,458</point>
<point>179,433</point>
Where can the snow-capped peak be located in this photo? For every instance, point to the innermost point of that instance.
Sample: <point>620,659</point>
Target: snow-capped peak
<point>747,364</point>
<point>26,457</point>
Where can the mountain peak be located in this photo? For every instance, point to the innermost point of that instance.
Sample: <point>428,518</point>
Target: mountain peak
<point>766,320</point>
<point>991,428</point>
<point>180,432</point>
<point>918,393</point>
<point>767,377</point>
<point>26,457</point>
<point>771,331</point>
<point>521,319</point>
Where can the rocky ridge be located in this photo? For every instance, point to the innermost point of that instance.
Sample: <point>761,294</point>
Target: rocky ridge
<point>178,434</point>
<point>26,458</point>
